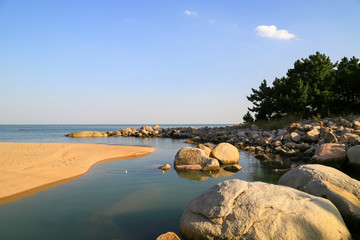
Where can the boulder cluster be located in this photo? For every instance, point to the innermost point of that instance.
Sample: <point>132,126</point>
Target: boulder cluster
<point>328,141</point>
<point>206,158</point>
<point>315,206</point>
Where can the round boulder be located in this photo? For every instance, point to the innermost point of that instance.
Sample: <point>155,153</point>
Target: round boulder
<point>225,153</point>
<point>330,153</point>
<point>195,156</point>
<point>353,154</point>
<point>237,209</point>
<point>301,176</point>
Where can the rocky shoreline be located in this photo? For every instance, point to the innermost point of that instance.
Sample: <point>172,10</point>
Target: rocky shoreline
<point>318,202</point>
<point>329,141</point>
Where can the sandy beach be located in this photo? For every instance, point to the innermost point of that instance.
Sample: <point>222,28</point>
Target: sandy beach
<point>26,167</point>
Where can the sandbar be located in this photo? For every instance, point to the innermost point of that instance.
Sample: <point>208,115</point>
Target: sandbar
<point>28,166</point>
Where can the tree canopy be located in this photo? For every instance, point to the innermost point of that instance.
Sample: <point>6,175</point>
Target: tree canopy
<point>314,86</point>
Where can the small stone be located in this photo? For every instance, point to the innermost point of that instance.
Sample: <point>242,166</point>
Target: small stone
<point>165,167</point>
<point>233,168</point>
<point>168,236</point>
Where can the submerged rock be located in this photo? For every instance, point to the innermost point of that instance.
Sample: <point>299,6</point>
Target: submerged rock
<point>236,209</point>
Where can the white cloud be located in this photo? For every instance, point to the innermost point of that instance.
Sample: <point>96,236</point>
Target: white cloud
<point>190,13</point>
<point>272,32</point>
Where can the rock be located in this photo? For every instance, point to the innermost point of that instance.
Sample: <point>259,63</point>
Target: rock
<point>294,126</point>
<point>295,137</point>
<point>206,149</point>
<point>109,133</point>
<point>236,209</point>
<point>233,168</point>
<point>290,145</point>
<point>225,153</point>
<point>356,125</point>
<point>353,139</point>
<point>345,123</point>
<point>300,176</point>
<point>156,127</point>
<point>147,128</point>
<point>190,141</point>
<point>302,146</point>
<point>165,167</point>
<point>280,150</point>
<point>347,204</point>
<point>168,236</point>
<point>190,167</point>
<point>252,149</point>
<point>87,134</point>
<point>281,132</point>
<point>301,133</point>
<point>262,157</point>
<point>254,127</point>
<point>307,127</point>
<point>330,153</point>
<point>330,138</point>
<point>310,151</point>
<point>259,149</point>
<point>126,132</point>
<point>209,146</point>
<point>312,135</point>
<point>116,134</point>
<point>353,153</point>
<point>193,156</point>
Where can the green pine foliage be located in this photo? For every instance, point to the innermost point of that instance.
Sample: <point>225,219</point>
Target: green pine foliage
<point>314,86</point>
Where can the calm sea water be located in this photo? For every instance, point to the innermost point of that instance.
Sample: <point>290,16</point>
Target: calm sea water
<point>106,203</point>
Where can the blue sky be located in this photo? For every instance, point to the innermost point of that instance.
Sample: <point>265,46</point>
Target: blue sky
<point>94,62</point>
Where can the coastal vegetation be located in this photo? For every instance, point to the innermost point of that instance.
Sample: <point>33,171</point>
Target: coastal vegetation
<point>314,87</point>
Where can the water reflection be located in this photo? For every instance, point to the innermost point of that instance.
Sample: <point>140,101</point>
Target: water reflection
<point>202,176</point>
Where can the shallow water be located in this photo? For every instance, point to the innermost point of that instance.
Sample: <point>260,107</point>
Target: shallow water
<point>107,203</point>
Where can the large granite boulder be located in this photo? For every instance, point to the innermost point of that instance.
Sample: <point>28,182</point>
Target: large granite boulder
<point>87,134</point>
<point>353,153</point>
<point>302,175</point>
<point>330,153</point>
<point>237,209</point>
<point>347,204</point>
<point>225,153</point>
<point>194,156</point>
<point>206,149</point>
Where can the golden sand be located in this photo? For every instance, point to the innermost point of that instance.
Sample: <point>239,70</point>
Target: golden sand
<point>26,168</point>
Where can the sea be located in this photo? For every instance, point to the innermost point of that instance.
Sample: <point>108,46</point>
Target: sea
<point>121,199</point>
